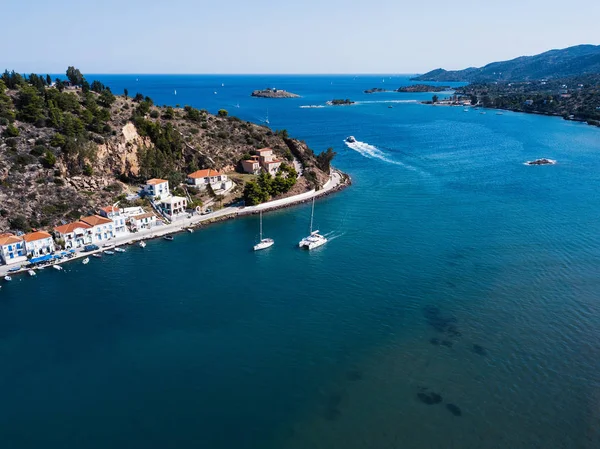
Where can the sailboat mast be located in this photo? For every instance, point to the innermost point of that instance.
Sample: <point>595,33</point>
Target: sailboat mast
<point>311,215</point>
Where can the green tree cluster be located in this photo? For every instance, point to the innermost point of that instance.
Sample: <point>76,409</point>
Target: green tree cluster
<point>267,186</point>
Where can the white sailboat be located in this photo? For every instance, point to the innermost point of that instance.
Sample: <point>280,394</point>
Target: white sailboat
<point>314,240</point>
<point>263,243</point>
<point>175,92</point>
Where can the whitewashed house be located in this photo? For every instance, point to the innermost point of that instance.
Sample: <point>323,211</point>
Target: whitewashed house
<point>38,244</point>
<point>145,220</point>
<point>12,249</point>
<point>157,189</point>
<point>75,235</point>
<point>201,179</point>
<point>102,228</point>
<point>118,219</point>
<point>173,205</point>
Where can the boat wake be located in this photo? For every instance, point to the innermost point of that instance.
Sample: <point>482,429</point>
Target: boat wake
<point>311,106</point>
<point>372,152</point>
<point>333,235</point>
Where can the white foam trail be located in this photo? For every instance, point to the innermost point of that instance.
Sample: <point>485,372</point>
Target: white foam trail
<point>311,106</point>
<point>385,101</point>
<point>373,152</point>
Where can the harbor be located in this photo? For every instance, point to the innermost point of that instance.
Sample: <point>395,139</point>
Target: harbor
<point>181,223</point>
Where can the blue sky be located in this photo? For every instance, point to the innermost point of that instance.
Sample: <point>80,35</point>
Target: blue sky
<point>265,36</point>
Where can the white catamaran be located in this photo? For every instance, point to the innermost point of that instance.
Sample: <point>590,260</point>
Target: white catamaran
<point>263,243</point>
<point>314,240</point>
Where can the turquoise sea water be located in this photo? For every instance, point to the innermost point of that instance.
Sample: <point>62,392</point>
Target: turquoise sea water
<point>452,269</point>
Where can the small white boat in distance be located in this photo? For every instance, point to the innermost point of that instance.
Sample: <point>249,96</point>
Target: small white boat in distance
<point>85,261</point>
<point>97,255</point>
<point>110,253</point>
<point>7,278</point>
<point>57,267</point>
<point>350,139</point>
<point>119,250</point>
<point>263,243</point>
<point>142,244</point>
<point>31,272</point>
<point>314,240</point>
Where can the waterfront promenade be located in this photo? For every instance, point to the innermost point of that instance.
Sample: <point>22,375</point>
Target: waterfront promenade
<point>336,181</point>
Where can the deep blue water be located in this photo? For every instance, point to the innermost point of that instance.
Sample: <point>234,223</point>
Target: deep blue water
<point>444,235</point>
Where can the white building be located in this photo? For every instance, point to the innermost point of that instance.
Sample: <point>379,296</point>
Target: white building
<point>174,205</point>
<point>203,178</point>
<point>118,219</point>
<point>102,228</point>
<point>75,235</point>
<point>38,244</point>
<point>12,249</point>
<point>157,189</point>
<point>145,220</point>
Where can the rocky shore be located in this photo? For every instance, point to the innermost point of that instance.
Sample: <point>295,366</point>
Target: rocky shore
<point>340,102</point>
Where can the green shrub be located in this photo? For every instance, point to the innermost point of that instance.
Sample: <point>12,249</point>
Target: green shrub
<point>11,131</point>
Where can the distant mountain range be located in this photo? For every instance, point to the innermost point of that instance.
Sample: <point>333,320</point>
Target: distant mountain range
<point>572,61</point>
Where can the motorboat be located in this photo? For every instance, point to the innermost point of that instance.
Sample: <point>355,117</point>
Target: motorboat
<point>263,243</point>
<point>168,237</point>
<point>97,255</point>
<point>314,239</point>
<point>7,278</point>
<point>142,244</point>
<point>57,267</point>
<point>350,139</point>
<point>190,230</point>
<point>119,250</point>
<point>110,253</point>
<point>31,272</point>
<point>86,260</point>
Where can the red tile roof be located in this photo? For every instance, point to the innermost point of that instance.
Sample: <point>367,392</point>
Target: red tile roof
<point>208,172</point>
<point>70,227</point>
<point>7,239</point>
<point>95,220</point>
<point>154,181</point>
<point>38,235</point>
<point>264,150</point>
<point>109,209</point>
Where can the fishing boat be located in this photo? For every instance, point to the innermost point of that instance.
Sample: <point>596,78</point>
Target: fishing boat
<point>31,272</point>
<point>314,239</point>
<point>110,253</point>
<point>85,261</point>
<point>97,255</point>
<point>263,243</point>
<point>190,230</point>
<point>168,237</point>
<point>142,244</point>
<point>7,278</point>
<point>57,267</point>
<point>119,250</point>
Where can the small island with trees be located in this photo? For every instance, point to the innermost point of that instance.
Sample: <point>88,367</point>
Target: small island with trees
<point>340,102</point>
<point>423,88</point>
<point>271,92</point>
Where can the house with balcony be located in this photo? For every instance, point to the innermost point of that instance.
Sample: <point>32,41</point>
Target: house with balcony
<point>114,213</point>
<point>173,205</point>
<point>75,235</point>
<point>12,249</point>
<point>145,220</point>
<point>102,228</point>
<point>251,165</point>
<point>157,189</point>
<point>38,244</point>
<point>218,181</point>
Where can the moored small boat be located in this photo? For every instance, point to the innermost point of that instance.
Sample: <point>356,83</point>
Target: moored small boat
<point>97,255</point>
<point>110,253</point>
<point>142,244</point>
<point>7,278</point>
<point>119,250</point>
<point>168,237</point>
<point>190,230</point>
<point>31,272</point>
<point>85,261</point>
<point>57,267</point>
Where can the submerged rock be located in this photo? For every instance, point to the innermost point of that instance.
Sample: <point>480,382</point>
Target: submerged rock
<point>542,161</point>
<point>429,398</point>
<point>479,350</point>
<point>455,410</point>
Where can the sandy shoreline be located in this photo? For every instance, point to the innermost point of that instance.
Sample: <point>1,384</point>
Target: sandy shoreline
<point>337,182</point>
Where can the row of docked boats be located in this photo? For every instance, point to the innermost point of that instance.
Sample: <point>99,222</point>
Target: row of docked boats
<point>312,241</point>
